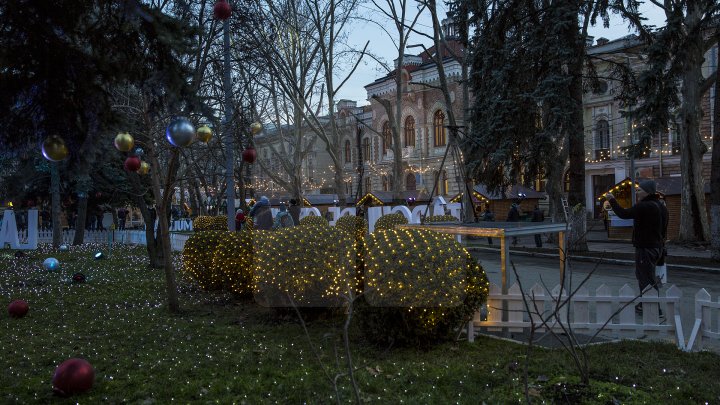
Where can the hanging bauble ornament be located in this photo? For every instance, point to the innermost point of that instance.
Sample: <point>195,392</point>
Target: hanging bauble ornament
<point>222,10</point>
<point>138,152</point>
<point>54,149</point>
<point>180,132</point>
<point>255,128</point>
<point>132,164</point>
<point>18,309</point>
<point>64,248</point>
<point>124,142</point>
<point>204,133</point>
<point>249,155</point>
<point>144,168</point>
<point>73,376</point>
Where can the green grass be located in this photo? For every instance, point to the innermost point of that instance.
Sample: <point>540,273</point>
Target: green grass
<point>224,350</point>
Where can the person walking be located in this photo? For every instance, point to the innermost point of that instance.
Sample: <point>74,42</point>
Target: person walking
<point>294,211</point>
<point>261,214</point>
<point>283,218</point>
<point>538,216</point>
<point>650,222</point>
<point>488,216</point>
<point>239,219</point>
<point>514,216</point>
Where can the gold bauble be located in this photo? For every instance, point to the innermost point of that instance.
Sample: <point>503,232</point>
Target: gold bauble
<point>204,133</point>
<point>144,168</point>
<point>124,142</point>
<point>255,127</point>
<point>54,149</point>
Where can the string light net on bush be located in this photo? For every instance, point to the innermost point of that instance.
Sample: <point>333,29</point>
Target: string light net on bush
<point>439,218</point>
<point>233,259</point>
<point>420,286</point>
<point>198,254</point>
<point>357,228</point>
<point>209,223</point>
<point>308,266</point>
<point>389,221</point>
<point>314,220</point>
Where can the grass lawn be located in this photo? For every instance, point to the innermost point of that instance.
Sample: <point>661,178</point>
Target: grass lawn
<point>224,350</point>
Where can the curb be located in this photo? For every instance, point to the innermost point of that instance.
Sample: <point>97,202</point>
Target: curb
<point>592,259</point>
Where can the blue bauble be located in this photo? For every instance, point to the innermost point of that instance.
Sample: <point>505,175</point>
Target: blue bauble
<point>180,132</point>
<point>51,264</point>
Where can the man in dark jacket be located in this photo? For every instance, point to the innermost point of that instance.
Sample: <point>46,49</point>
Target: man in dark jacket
<point>538,216</point>
<point>650,221</point>
<point>514,216</point>
<point>294,211</point>
<point>261,214</point>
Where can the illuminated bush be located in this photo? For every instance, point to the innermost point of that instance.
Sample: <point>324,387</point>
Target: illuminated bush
<point>357,227</point>
<point>309,264</point>
<point>389,221</point>
<point>439,218</point>
<point>198,254</point>
<point>420,286</point>
<point>233,260</point>
<point>314,220</point>
<point>208,223</point>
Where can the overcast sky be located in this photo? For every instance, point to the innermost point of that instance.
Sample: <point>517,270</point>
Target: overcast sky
<point>382,46</point>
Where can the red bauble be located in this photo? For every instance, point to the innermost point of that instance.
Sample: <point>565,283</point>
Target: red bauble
<point>18,308</point>
<point>222,10</point>
<point>73,376</point>
<point>249,155</point>
<point>132,164</point>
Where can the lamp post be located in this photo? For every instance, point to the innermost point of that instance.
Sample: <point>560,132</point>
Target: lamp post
<point>222,11</point>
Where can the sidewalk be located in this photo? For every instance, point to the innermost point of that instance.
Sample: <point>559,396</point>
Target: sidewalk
<point>608,251</point>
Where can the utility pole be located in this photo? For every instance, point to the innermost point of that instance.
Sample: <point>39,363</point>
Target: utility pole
<point>228,140</point>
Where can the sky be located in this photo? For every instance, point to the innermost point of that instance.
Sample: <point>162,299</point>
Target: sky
<point>383,47</point>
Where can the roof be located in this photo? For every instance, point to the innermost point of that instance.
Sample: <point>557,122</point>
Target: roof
<point>664,185</point>
<point>515,192</point>
<point>386,197</point>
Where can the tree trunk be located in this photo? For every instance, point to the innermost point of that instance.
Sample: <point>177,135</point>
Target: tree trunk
<point>81,219</point>
<point>715,171</point>
<point>151,245</point>
<point>576,136</point>
<point>163,199</point>
<point>56,208</point>
<point>693,216</point>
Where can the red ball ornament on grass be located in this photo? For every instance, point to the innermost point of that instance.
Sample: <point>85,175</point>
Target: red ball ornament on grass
<point>249,155</point>
<point>18,309</point>
<point>132,164</point>
<point>73,376</point>
<point>222,10</point>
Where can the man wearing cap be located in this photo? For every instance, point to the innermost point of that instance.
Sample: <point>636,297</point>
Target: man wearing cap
<point>650,221</point>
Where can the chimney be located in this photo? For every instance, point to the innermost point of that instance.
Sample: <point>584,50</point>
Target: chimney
<point>602,41</point>
<point>589,40</point>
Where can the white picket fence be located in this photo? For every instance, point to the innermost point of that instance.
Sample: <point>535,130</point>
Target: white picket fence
<point>128,237</point>
<point>707,319</point>
<point>584,313</point>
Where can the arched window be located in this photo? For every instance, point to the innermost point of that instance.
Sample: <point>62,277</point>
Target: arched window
<point>409,131</point>
<point>348,155</point>
<point>367,185</point>
<point>386,136</point>
<point>602,139</point>
<point>366,149</point>
<point>410,182</point>
<point>385,184</point>
<point>439,128</point>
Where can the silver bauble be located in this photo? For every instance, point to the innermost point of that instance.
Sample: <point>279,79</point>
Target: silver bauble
<point>138,152</point>
<point>180,132</point>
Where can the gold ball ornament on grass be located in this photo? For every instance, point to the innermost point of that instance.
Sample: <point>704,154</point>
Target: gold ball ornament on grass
<point>144,168</point>
<point>204,133</point>
<point>180,132</point>
<point>255,128</point>
<point>54,149</point>
<point>124,142</point>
